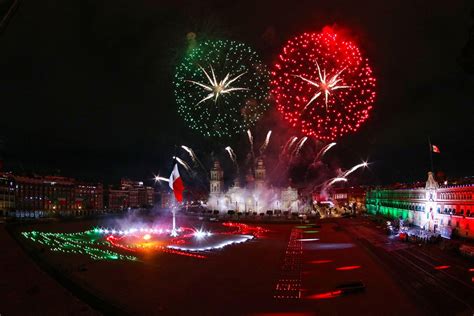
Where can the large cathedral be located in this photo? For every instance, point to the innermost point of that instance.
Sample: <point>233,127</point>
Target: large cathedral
<point>256,196</point>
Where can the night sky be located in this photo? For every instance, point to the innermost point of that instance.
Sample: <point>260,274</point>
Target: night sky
<point>86,86</point>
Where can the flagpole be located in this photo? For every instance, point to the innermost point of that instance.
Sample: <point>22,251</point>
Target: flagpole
<point>174,232</point>
<point>431,154</point>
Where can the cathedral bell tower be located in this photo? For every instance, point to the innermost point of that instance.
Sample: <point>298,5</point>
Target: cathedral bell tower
<point>217,179</point>
<point>260,174</point>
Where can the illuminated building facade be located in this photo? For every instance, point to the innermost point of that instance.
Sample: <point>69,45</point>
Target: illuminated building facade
<point>446,210</point>
<point>350,197</point>
<point>256,197</point>
<point>36,196</point>
<point>7,195</point>
<point>44,196</point>
<point>117,199</point>
<point>289,199</point>
<point>89,196</point>
<point>130,194</point>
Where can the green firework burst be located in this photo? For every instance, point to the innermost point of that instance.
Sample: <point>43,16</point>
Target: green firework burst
<point>221,88</point>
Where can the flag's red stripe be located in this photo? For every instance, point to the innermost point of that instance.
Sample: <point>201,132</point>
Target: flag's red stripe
<point>178,188</point>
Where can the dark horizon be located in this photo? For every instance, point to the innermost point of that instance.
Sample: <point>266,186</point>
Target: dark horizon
<point>87,87</point>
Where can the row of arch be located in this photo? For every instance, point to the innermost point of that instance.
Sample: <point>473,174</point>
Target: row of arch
<point>403,205</point>
<point>463,195</point>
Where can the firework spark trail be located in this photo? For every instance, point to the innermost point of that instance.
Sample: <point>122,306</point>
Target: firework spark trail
<point>334,180</point>
<point>182,163</point>
<point>195,159</point>
<point>284,151</point>
<point>287,144</point>
<point>293,152</point>
<point>232,154</point>
<point>233,157</point>
<point>193,173</point>
<point>324,150</point>
<point>345,174</point>
<point>292,142</point>
<point>249,133</point>
<point>300,144</point>
<point>265,144</point>
<point>158,178</point>
<point>190,152</point>
<point>318,157</point>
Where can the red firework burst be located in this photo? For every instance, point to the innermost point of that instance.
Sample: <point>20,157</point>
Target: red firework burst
<point>322,85</point>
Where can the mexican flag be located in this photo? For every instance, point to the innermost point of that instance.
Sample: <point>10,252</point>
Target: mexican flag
<point>176,184</point>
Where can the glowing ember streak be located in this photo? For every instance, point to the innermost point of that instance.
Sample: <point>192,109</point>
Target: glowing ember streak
<point>158,178</point>
<point>267,141</point>
<point>194,158</point>
<point>347,268</point>
<point>303,140</point>
<point>293,140</point>
<point>289,143</point>
<point>324,150</point>
<point>249,134</point>
<point>232,154</point>
<point>190,152</point>
<point>182,163</point>
<point>441,267</point>
<point>217,88</point>
<point>336,180</point>
<point>345,174</point>
<point>300,144</point>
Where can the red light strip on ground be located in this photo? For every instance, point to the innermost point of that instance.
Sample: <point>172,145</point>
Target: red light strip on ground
<point>326,295</point>
<point>320,261</point>
<point>346,268</point>
<point>245,229</point>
